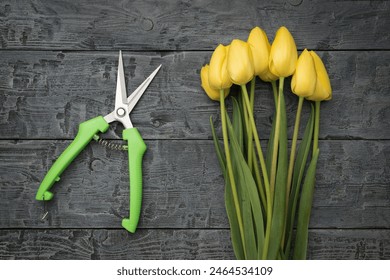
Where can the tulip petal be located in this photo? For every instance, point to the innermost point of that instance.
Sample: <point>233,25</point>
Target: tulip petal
<point>283,55</point>
<point>323,90</point>
<point>212,93</point>
<point>218,75</point>
<point>240,63</point>
<point>268,76</point>
<point>303,82</point>
<point>260,48</point>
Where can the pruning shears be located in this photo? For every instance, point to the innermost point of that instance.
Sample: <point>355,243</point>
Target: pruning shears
<point>89,130</point>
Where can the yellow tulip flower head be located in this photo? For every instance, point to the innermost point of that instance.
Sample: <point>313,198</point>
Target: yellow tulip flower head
<point>323,89</point>
<point>218,75</point>
<point>283,55</point>
<point>303,82</point>
<point>212,93</point>
<point>240,62</point>
<point>260,48</point>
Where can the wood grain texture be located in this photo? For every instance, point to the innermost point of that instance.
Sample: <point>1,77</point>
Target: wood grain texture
<point>188,25</point>
<point>183,186</point>
<point>58,62</point>
<point>45,95</point>
<point>176,244</point>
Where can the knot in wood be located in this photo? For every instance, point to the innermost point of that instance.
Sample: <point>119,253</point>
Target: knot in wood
<point>295,2</point>
<point>147,24</point>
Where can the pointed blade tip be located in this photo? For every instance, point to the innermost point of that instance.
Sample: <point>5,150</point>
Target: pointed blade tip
<point>155,71</point>
<point>136,95</point>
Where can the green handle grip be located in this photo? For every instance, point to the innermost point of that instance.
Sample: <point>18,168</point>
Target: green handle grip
<point>85,134</point>
<point>136,148</point>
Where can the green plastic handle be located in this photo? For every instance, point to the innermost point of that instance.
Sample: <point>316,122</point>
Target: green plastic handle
<point>85,134</point>
<point>136,148</point>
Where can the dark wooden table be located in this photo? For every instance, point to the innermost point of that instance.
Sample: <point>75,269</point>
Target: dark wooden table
<point>58,62</point>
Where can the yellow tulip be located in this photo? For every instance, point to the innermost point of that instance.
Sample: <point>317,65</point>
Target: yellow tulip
<point>283,55</point>
<point>303,82</point>
<point>218,75</point>
<point>260,48</point>
<point>204,76</point>
<point>240,62</point>
<point>323,89</point>
<point>268,76</point>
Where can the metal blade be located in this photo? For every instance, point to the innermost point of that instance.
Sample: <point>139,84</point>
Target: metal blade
<point>121,113</point>
<point>110,117</point>
<point>136,95</point>
<point>121,94</point>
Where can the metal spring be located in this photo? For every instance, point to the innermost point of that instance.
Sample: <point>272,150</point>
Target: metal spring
<point>110,145</point>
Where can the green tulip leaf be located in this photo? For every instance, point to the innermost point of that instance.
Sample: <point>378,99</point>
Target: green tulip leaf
<point>304,210</point>
<point>229,202</point>
<point>219,151</point>
<point>251,208</point>
<point>237,124</point>
<point>270,146</point>
<point>233,222</point>
<point>279,206</point>
<point>299,168</point>
<point>303,151</point>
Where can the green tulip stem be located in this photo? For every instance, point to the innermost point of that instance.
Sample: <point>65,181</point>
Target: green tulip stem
<point>275,91</point>
<point>316,125</point>
<point>294,146</point>
<point>276,140</point>
<point>250,134</point>
<point>246,121</point>
<point>229,165</point>
<point>252,160</point>
<point>263,170</point>
<point>252,92</point>
<point>258,179</point>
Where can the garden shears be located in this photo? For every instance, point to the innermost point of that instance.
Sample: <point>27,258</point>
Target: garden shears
<point>89,129</point>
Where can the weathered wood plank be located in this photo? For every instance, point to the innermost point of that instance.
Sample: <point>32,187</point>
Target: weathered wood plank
<point>188,25</point>
<point>349,244</point>
<point>183,186</point>
<point>45,95</point>
<point>176,244</point>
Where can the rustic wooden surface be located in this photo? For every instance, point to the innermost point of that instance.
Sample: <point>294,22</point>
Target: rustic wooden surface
<point>58,64</point>
<point>180,191</point>
<point>175,244</point>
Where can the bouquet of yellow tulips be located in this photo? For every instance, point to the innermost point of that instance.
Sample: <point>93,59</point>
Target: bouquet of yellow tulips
<point>265,196</point>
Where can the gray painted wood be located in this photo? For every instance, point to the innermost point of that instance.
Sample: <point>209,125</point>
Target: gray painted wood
<point>188,25</point>
<point>176,244</point>
<point>45,95</point>
<point>58,64</point>
<point>183,186</point>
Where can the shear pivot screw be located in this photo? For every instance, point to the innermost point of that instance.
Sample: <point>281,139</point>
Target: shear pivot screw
<point>121,112</point>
